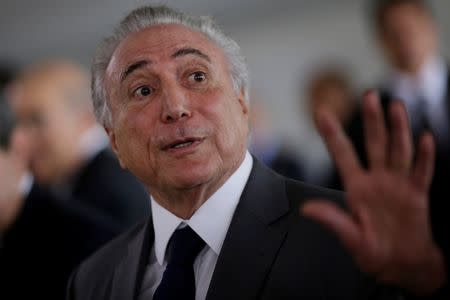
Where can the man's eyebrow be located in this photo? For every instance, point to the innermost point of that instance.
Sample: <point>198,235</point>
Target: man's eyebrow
<point>193,51</point>
<point>133,67</point>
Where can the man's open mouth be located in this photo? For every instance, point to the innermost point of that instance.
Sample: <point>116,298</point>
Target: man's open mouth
<point>182,143</point>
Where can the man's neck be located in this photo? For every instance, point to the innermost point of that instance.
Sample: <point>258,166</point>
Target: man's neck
<point>91,140</point>
<point>185,202</point>
<point>416,71</point>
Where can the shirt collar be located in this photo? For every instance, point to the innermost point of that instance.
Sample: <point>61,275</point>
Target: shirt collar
<point>434,81</point>
<point>429,84</point>
<point>92,142</point>
<point>211,220</point>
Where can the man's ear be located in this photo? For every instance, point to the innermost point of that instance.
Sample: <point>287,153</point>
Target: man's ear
<point>244,104</point>
<point>112,140</point>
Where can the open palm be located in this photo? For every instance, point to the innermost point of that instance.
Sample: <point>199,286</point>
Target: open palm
<point>386,227</point>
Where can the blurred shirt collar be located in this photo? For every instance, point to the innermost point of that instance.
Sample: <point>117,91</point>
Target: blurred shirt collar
<point>429,85</point>
<point>25,184</point>
<point>92,142</point>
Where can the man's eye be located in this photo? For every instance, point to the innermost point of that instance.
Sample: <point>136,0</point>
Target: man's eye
<point>198,76</point>
<point>143,91</point>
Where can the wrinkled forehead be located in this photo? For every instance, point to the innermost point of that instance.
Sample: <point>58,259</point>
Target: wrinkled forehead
<point>158,43</point>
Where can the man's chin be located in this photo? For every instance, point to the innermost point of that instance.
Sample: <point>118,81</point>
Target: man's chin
<point>192,173</point>
<point>189,181</point>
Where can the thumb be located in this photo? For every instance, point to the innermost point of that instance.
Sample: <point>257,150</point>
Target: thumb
<point>335,219</point>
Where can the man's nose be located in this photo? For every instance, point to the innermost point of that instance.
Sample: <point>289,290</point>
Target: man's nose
<point>175,104</point>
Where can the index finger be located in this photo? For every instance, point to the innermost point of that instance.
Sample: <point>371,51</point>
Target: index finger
<point>339,146</point>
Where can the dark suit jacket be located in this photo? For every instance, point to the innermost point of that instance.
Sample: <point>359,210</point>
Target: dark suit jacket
<point>56,231</point>
<point>285,164</point>
<point>439,191</point>
<point>103,185</point>
<point>270,252</point>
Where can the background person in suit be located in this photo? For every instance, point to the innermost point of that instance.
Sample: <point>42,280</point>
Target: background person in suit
<point>172,93</point>
<point>38,231</point>
<point>419,77</point>
<point>408,36</point>
<point>69,149</point>
<point>76,197</point>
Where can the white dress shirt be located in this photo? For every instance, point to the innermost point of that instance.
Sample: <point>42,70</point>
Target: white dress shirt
<point>429,85</point>
<point>210,222</point>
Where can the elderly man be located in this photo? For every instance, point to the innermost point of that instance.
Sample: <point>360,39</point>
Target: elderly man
<point>171,91</point>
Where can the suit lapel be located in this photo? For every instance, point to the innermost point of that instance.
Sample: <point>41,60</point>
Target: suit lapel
<point>447,97</point>
<point>443,144</point>
<point>129,272</point>
<point>253,239</point>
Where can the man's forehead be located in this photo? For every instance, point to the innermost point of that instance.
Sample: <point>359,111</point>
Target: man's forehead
<point>406,9</point>
<point>165,34</point>
<point>160,42</point>
<point>39,93</point>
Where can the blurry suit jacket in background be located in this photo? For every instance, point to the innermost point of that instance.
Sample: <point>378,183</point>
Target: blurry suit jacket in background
<point>56,231</point>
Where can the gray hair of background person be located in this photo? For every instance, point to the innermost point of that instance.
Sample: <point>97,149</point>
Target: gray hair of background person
<point>147,16</point>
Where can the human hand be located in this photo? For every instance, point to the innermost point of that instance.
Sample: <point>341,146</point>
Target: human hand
<point>387,227</point>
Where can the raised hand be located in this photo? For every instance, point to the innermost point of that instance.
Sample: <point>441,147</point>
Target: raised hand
<point>386,227</point>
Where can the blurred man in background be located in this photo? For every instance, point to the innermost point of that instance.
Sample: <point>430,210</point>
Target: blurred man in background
<point>69,149</point>
<point>38,230</point>
<point>76,196</point>
<point>407,33</point>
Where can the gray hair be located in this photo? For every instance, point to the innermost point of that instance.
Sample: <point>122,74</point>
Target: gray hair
<point>147,16</point>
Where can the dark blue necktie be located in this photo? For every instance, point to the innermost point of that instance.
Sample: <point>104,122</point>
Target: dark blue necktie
<point>424,123</point>
<point>178,280</point>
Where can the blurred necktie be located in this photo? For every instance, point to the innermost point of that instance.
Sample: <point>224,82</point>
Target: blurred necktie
<point>178,280</point>
<point>421,122</point>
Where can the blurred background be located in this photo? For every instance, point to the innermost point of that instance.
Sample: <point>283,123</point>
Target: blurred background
<point>282,40</point>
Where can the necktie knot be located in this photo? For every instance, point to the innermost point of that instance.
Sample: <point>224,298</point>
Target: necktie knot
<point>178,280</point>
<point>184,246</point>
